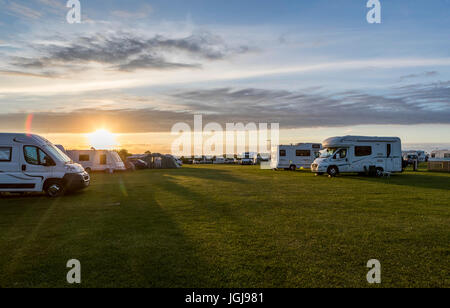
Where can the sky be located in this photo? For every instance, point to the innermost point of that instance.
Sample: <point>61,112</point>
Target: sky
<point>136,68</point>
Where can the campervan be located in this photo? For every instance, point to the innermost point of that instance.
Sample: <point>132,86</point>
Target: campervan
<point>97,160</point>
<point>421,155</point>
<point>294,157</point>
<point>247,158</point>
<point>219,161</point>
<point>370,155</point>
<point>30,163</point>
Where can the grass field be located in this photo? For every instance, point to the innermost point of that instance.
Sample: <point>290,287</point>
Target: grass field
<point>231,226</point>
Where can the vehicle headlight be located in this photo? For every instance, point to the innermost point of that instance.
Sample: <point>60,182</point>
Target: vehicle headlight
<point>71,168</point>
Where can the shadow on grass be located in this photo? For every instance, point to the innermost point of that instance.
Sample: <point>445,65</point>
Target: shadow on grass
<point>418,179</point>
<point>207,174</point>
<point>34,195</point>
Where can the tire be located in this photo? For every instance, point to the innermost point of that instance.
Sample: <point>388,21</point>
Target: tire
<point>54,188</point>
<point>379,172</point>
<point>333,171</point>
<point>293,168</point>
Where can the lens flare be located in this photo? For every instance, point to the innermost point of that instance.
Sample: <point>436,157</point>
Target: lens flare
<point>28,123</point>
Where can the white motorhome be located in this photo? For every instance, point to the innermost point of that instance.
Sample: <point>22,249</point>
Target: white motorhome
<point>371,155</point>
<point>248,158</point>
<point>219,161</point>
<point>97,160</point>
<point>293,157</point>
<point>421,155</point>
<point>30,163</point>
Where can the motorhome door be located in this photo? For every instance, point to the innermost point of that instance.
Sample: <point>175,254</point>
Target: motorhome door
<point>36,165</point>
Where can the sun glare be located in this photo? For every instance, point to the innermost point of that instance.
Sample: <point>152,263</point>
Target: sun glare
<point>102,140</point>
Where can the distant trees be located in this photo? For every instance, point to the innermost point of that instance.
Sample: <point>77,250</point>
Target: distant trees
<point>124,154</point>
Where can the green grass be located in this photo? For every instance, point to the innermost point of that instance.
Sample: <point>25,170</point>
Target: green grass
<point>231,226</point>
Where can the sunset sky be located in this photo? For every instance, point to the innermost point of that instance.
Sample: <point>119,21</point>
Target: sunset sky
<point>136,68</point>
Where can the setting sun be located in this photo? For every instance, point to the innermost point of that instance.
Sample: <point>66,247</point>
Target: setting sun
<point>102,140</point>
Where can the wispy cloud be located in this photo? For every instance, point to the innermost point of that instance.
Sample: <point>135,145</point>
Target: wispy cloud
<point>127,52</point>
<point>418,104</point>
<point>424,74</point>
<point>143,12</point>
<point>21,10</point>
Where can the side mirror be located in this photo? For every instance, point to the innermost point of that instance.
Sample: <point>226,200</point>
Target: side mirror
<point>49,163</point>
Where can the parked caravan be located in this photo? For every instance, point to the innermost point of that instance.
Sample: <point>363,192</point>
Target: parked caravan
<point>371,155</point>
<point>30,163</point>
<point>440,154</point>
<point>439,161</point>
<point>292,157</point>
<point>219,161</point>
<point>97,160</point>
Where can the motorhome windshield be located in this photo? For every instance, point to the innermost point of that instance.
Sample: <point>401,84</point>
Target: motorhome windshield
<point>57,153</point>
<point>328,152</point>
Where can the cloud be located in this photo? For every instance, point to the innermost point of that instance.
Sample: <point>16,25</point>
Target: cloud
<point>424,74</point>
<point>143,12</point>
<point>17,9</point>
<point>416,104</point>
<point>127,52</point>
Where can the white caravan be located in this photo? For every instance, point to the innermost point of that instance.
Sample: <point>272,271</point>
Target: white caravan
<point>292,157</point>
<point>30,163</point>
<point>97,160</point>
<point>371,155</point>
<point>439,155</point>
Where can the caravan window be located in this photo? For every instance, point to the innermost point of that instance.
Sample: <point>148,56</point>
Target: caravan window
<point>84,157</point>
<point>389,150</point>
<point>447,155</point>
<point>103,159</point>
<point>5,154</point>
<point>303,153</point>
<point>363,151</point>
<point>282,153</point>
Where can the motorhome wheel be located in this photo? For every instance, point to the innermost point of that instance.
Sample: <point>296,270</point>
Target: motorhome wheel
<point>379,172</point>
<point>333,171</point>
<point>54,189</point>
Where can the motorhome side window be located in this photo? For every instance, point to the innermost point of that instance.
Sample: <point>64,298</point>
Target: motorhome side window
<point>5,154</point>
<point>31,155</point>
<point>363,151</point>
<point>35,156</point>
<point>103,159</point>
<point>83,157</point>
<point>446,155</point>
<point>303,153</point>
<point>282,153</point>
